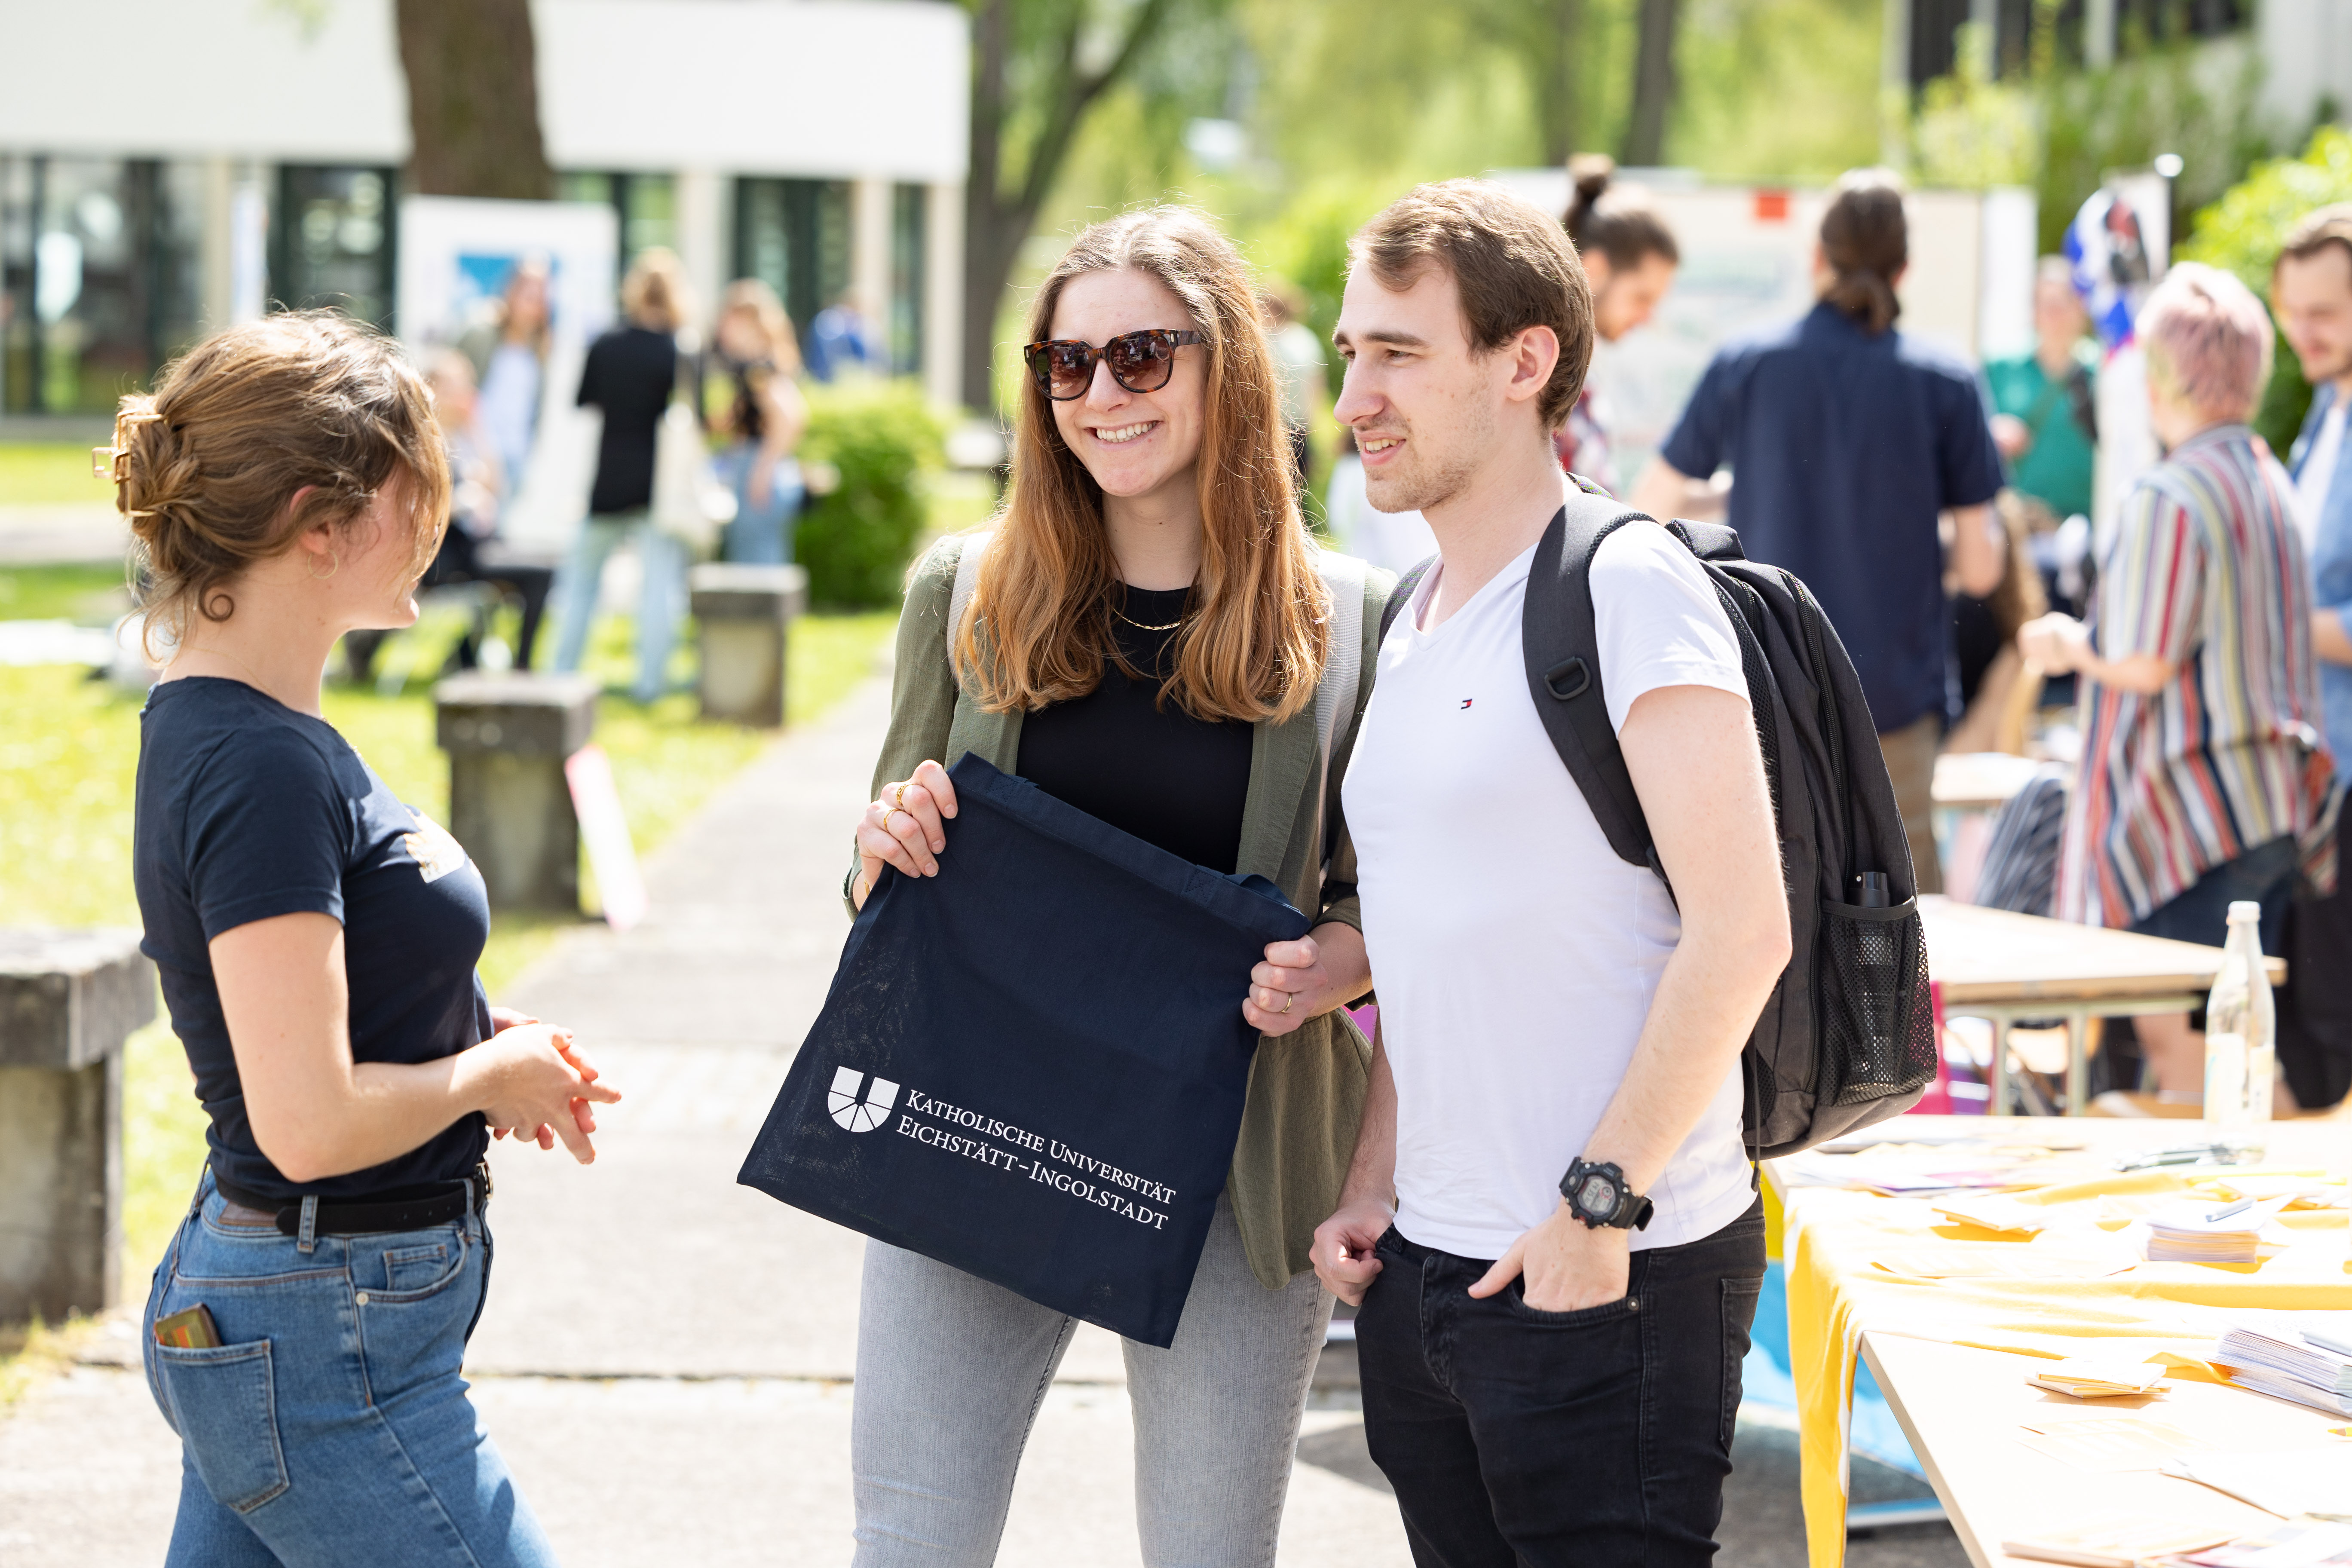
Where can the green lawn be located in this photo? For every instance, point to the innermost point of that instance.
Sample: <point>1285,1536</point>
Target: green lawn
<point>68,751</point>
<point>91,595</point>
<point>49,473</point>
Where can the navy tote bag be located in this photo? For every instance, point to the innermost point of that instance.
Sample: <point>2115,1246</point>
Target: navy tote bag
<point>1032,1066</point>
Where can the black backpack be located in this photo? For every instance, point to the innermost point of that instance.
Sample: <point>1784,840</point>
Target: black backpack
<point>1848,1038</point>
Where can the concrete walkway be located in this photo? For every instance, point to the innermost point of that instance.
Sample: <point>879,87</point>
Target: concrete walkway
<point>666,1355</point>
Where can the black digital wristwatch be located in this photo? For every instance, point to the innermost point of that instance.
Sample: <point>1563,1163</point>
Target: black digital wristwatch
<point>1598,1194</point>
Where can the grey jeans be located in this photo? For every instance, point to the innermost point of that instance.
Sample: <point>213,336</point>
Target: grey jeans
<point>951,1370</point>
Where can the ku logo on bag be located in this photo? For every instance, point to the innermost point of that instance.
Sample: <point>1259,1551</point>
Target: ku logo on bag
<point>860,1113</point>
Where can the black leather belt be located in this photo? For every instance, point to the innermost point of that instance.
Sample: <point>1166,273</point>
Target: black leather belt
<point>393,1209</point>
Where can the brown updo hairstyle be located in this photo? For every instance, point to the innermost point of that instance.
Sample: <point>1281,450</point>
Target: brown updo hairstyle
<point>1867,241</point>
<point>207,466</point>
<point>1627,234</point>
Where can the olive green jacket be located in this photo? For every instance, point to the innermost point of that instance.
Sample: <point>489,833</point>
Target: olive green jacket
<point>1306,1087</point>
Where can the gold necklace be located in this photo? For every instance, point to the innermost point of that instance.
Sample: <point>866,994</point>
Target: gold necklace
<point>1138,625</point>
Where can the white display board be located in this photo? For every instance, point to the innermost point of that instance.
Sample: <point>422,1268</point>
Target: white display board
<point>455,255</point>
<point>1748,261</point>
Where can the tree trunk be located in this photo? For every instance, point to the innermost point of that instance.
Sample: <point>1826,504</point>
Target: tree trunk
<point>1654,85</point>
<point>1558,104</point>
<point>473,99</point>
<point>983,278</point>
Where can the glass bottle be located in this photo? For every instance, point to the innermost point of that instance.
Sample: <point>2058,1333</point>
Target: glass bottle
<point>2240,1028</point>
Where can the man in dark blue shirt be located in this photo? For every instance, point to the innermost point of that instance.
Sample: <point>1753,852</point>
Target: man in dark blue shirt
<point>1847,442</point>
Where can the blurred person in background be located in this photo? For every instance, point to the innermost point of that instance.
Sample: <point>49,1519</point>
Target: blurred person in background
<point>2045,419</point>
<point>1630,258</point>
<point>2201,767</point>
<point>317,939</point>
<point>1985,663</point>
<point>841,339</point>
<point>754,347</point>
<point>1849,442</point>
<point>2310,288</point>
<point>631,373</point>
<point>1299,362</point>
<point>508,354</point>
<point>477,491</point>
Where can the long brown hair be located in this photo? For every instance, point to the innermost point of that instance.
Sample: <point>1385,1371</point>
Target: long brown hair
<point>1258,624</point>
<point>205,466</point>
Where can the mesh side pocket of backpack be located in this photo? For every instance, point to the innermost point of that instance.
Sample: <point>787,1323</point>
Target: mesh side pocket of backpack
<point>1877,1027</point>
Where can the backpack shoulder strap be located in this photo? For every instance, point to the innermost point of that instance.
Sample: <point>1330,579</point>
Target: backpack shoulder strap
<point>960,596</point>
<point>1407,587</point>
<point>1561,644</point>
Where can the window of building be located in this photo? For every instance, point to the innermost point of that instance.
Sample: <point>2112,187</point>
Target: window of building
<point>907,240</point>
<point>333,241</point>
<point>793,234</point>
<point>2139,24</point>
<point>97,278</point>
<point>645,205</point>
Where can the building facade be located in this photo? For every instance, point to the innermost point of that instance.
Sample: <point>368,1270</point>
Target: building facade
<point>219,158</point>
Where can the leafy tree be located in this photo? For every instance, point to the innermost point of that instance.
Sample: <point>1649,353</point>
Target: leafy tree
<point>473,99</point>
<point>1039,70</point>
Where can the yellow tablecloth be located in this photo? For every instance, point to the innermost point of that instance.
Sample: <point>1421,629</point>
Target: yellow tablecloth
<point>1834,1238</point>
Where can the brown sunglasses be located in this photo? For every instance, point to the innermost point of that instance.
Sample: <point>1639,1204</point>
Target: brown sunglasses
<point>1140,362</point>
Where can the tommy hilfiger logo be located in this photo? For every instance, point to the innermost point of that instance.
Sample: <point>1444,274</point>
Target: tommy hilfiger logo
<point>1466,703</point>
<point>856,1111</point>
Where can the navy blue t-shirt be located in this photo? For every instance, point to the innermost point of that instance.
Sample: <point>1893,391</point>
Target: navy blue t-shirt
<point>1844,446</point>
<point>248,810</point>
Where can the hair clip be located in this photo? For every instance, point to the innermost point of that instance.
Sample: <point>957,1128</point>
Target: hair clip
<point>107,462</point>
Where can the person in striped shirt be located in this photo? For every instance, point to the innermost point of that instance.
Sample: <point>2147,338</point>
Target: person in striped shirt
<point>2203,764</point>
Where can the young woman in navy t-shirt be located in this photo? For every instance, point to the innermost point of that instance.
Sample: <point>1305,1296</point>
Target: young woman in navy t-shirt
<point>316,939</point>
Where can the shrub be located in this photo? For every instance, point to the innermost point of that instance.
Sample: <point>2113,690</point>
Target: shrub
<point>881,439</point>
<point>2241,233</point>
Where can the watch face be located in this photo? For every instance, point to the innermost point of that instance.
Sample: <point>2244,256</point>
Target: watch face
<point>1596,1195</point>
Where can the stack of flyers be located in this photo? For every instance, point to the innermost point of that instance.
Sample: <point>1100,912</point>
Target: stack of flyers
<point>2087,1378</point>
<point>2302,1356</point>
<point>2202,1231</point>
<point>2308,1542</point>
<point>2120,1541</point>
<point>1995,1214</point>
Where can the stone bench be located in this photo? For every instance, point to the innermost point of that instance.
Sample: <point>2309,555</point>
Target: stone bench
<point>744,615</point>
<point>69,999</point>
<point>508,736</point>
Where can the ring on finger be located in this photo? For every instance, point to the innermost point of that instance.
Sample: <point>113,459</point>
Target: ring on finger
<point>898,796</point>
<point>1288,998</point>
<point>888,811</point>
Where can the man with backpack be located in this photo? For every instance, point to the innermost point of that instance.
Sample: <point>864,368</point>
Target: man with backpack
<point>1550,1222</point>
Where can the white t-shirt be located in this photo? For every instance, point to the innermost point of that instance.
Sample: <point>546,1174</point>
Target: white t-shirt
<point>1515,954</point>
<point>2319,474</point>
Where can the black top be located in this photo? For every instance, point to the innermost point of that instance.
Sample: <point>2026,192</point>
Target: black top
<point>1121,754</point>
<point>247,810</point>
<point>630,375</point>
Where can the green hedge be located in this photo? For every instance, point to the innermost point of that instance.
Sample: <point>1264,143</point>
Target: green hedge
<point>881,439</point>
<point>2242,233</point>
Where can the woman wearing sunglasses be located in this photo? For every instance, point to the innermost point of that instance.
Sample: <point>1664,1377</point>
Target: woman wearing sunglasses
<point>1146,628</point>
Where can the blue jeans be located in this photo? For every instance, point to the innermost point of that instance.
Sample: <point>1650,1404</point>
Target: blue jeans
<point>661,599</point>
<point>329,1426</point>
<point>760,536</point>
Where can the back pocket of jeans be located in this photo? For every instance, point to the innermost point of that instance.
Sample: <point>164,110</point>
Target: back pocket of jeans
<point>1740,1297</point>
<point>224,1404</point>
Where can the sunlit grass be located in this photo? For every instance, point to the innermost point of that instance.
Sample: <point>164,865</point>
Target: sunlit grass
<point>50,473</point>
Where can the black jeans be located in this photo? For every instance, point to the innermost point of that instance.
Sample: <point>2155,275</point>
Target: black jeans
<point>1516,1439</point>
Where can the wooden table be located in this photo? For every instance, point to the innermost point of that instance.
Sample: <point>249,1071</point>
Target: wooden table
<point>1961,1407</point>
<point>1979,781</point>
<point>1999,966</point>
